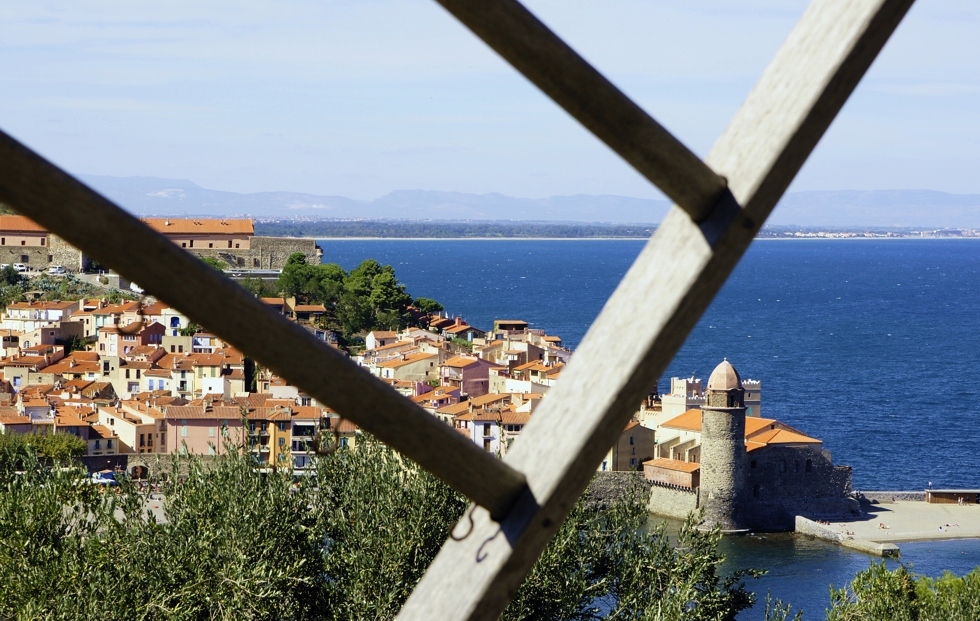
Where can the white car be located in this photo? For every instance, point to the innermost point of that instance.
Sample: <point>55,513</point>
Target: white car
<point>20,267</point>
<point>56,270</point>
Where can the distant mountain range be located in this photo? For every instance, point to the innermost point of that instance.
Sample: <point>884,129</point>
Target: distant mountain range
<point>844,208</point>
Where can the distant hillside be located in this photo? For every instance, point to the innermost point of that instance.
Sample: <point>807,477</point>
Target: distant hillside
<point>844,208</point>
<point>890,208</point>
<point>175,197</point>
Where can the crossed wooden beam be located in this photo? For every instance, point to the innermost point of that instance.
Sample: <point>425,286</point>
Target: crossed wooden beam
<point>721,204</point>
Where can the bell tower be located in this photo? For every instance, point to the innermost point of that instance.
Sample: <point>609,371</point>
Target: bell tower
<point>723,449</point>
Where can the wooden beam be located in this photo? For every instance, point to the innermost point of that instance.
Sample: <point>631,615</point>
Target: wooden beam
<point>660,299</point>
<point>55,200</point>
<point>554,67</point>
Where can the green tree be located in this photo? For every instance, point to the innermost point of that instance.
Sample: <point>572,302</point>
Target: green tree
<point>389,300</point>
<point>428,306</point>
<point>10,276</point>
<point>878,593</point>
<point>215,263</point>
<point>295,275</point>
<point>190,329</point>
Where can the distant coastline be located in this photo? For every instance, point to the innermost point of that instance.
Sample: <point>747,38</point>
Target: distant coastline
<point>510,230</point>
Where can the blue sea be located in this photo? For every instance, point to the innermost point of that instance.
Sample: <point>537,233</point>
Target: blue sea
<point>873,346</point>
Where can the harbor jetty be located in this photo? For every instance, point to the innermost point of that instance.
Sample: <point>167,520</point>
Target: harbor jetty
<point>890,518</point>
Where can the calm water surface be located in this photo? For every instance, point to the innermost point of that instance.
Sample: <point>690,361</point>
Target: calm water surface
<point>872,346</point>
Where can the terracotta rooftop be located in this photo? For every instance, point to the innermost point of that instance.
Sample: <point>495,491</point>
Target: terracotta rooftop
<point>460,361</point>
<point>409,359</point>
<point>673,464</point>
<point>184,226</point>
<point>20,223</point>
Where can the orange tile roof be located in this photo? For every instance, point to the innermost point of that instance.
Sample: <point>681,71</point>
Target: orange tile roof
<point>490,398</point>
<point>754,424</point>
<point>688,421</point>
<point>102,431</point>
<point>184,226</point>
<point>783,436</point>
<point>14,419</point>
<point>462,328</point>
<point>410,358</point>
<point>460,361</point>
<point>56,305</point>
<point>454,409</point>
<point>673,464</point>
<point>20,223</point>
<point>310,308</point>
<point>345,426</point>
<point>509,417</point>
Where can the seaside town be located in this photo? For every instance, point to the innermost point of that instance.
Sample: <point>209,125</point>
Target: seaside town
<point>137,381</point>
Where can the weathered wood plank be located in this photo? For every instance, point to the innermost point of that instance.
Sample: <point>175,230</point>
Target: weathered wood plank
<point>554,67</point>
<point>660,300</point>
<point>63,205</point>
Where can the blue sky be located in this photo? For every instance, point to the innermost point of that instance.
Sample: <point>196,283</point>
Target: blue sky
<point>362,97</point>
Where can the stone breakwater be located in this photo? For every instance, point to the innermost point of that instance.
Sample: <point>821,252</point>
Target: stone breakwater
<point>808,527</point>
<point>881,497</point>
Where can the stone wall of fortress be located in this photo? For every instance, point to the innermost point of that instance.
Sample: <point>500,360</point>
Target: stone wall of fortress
<point>267,253</point>
<point>35,257</point>
<point>672,502</point>
<point>64,254</point>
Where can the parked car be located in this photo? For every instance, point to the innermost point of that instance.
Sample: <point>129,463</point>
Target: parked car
<point>20,267</point>
<point>56,270</point>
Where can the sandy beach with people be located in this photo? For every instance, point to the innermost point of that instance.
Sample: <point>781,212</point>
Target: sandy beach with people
<point>892,522</point>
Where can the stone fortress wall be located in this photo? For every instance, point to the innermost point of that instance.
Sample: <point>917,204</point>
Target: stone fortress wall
<point>789,481</point>
<point>265,253</point>
<point>672,502</point>
<point>35,257</point>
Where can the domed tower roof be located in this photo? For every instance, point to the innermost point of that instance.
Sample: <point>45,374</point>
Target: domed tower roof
<point>724,377</point>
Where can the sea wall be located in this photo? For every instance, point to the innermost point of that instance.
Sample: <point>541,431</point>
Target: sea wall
<point>883,497</point>
<point>672,502</point>
<point>819,531</point>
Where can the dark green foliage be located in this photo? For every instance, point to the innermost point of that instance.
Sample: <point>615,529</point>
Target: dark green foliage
<point>237,545</point>
<point>215,263</point>
<point>386,521</point>
<point>10,276</point>
<point>17,449</point>
<point>370,297</point>
<point>350,542</point>
<point>13,286</point>
<point>878,593</point>
<point>190,329</point>
<point>259,288</point>
<point>71,343</point>
<point>428,306</point>
<point>461,342</point>
<point>605,564</point>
